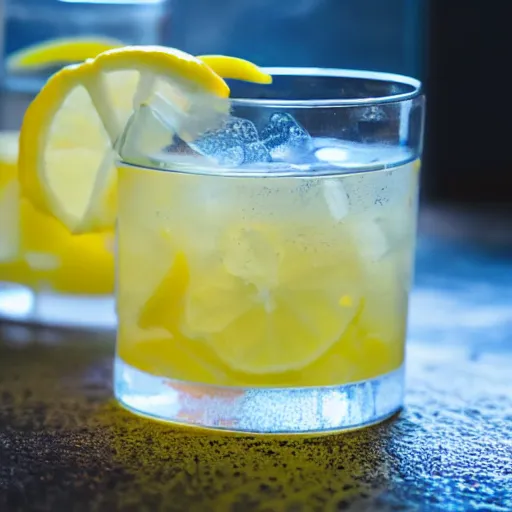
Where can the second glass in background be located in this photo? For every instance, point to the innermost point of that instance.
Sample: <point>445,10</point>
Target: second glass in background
<point>46,274</point>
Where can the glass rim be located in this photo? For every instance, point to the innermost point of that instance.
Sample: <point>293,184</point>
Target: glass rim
<point>377,76</point>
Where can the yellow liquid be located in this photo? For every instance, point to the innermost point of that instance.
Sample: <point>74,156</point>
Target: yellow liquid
<point>265,281</point>
<point>37,251</point>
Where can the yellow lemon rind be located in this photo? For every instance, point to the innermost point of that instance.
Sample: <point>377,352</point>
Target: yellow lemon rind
<point>236,69</point>
<point>156,60</point>
<point>59,51</point>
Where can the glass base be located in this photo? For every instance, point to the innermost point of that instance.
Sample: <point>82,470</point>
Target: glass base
<point>21,304</point>
<point>260,410</point>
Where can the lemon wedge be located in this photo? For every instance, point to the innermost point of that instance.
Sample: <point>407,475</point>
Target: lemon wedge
<point>59,51</point>
<point>271,306</point>
<point>167,302</point>
<point>67,160</point>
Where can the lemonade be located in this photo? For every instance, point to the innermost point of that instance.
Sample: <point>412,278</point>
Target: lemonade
<point>252,281</point>
<point>265,230</point>
<point>264,266</point>
<point>41,261</point>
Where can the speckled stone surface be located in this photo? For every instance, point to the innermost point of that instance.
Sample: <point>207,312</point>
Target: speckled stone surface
<point>64,444</point>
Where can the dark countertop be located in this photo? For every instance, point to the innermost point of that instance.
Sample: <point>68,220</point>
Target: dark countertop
<point>65,445</point>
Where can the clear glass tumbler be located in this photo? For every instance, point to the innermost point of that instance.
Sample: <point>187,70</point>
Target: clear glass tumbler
<point>48,275</point>
<point>264,269</point>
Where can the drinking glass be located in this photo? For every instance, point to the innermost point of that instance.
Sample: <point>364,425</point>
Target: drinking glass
<point>48,275</point>
<point>264,269</point>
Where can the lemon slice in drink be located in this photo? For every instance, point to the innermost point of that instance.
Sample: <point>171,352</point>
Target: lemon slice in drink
<point>274,304</point>
<point>59,51</point>
<point>67,159</point>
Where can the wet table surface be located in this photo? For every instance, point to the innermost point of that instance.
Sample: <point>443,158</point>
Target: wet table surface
<point>65,445</point>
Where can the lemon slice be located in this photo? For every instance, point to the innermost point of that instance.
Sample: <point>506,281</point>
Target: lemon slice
<point>167,301</point>
<point>59,51</point>
<point>272,306</point>
<point>67,159</point>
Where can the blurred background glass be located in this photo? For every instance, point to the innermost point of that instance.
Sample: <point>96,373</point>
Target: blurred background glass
<point>30,22</point>
<point>48,275</point>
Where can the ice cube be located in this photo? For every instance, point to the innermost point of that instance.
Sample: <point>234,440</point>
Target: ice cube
<point>283,136</point>
<point>249,253</point>
<point>242,128</point>
<point>373,121</point>
<point>146,133</point>
<point>235,143</point>
<point>370,238</point>
<point>222,146</point>
<point>256,152</point>
<point>336,198</point>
